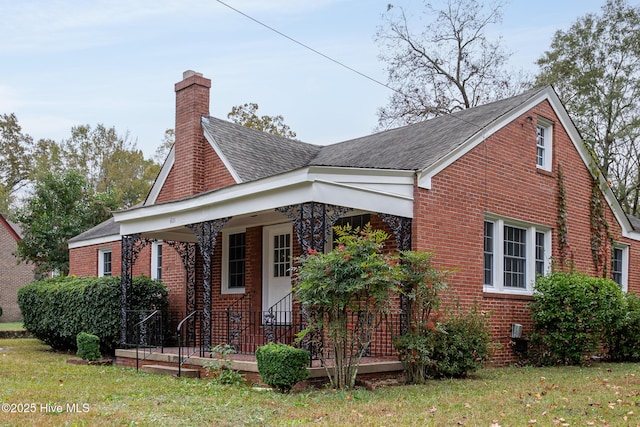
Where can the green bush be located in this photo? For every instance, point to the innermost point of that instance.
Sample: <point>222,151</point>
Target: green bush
<point>282,366</point>
<point>623,338</point>
<point>56,310</point>
<point>88,346</point>
<point>453,348</point>
<point>572,315</point>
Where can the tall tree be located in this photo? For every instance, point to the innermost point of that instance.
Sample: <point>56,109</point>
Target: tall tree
<point>595,68</point>
<point>111,163</point>
<point>449,64</point>
<point>247,115</point>
<point>61,206</point>
<point>15,160</point>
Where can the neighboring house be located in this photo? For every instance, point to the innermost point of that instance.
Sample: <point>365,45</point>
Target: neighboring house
<point>484,189</point>
<point>13,275</point>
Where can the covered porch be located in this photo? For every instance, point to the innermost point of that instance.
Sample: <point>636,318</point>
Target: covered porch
<point>237,245</point>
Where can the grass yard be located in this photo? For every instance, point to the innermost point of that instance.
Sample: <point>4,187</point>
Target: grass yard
<point>44,390</point>
<point>11,326</point>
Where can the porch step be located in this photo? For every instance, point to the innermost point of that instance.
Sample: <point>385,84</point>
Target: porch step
<point>171,370</point>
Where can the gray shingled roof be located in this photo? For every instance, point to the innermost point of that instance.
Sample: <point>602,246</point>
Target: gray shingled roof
<point>254,155</point>
<point>635,222</point>
<point>106,228</point>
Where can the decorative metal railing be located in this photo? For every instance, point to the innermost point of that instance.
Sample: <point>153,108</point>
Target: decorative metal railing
<point>146,334</point>
<point>189,342</point>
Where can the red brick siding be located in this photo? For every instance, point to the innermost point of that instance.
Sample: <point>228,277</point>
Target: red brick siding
<point>499,176</point>
<point>13,276</point>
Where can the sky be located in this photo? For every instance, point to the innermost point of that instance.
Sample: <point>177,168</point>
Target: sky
<point>115,62</point>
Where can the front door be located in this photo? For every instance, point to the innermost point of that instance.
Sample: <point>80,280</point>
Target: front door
<point>276,284</point>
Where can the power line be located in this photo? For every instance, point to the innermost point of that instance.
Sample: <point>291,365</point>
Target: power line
<point>329,58</point>
<point>310,48</point>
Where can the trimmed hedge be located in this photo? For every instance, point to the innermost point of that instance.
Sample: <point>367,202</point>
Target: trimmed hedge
<point>56,310</point>
<point>282,366</point>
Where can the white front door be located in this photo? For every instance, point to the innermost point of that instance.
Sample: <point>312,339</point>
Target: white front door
<point>276,283</point>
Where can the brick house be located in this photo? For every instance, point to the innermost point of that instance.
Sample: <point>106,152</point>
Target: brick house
<point>13,276</point>
<point>485,189</point>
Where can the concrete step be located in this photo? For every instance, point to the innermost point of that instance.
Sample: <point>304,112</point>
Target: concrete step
<point>171,370</point>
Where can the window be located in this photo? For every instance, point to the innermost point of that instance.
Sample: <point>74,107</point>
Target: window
<point>156,261</point>
<point>104,262</point>
<point>544,144</point>
<point>281,255</point>
<point>620,265</point>
<point>234,244</point>
<point>488,253</point>
<point>515,253</point>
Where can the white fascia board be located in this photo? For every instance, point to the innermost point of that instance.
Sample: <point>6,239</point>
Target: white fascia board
<point>304,185</point>
<point>161,178</point>
<point>96,241</point>
<point>223,158</point>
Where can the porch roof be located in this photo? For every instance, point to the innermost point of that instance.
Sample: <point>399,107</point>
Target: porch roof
<point>380,191</point>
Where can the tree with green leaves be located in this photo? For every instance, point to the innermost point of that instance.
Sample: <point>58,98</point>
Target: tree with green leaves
<point>448,64</point>
<point>595,68</point>
<point>15,160</point>
<point>247,115</point>
<point>60,207</point>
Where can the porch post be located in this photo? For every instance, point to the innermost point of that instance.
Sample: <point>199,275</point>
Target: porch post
<point>401,228</point>
<point>206,233</point>
<point>131,247</point>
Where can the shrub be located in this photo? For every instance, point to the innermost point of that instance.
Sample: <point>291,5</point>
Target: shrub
<point>282,366</point>
<point>572,314</point>
<point>56,310</point>
<point>623,337</point>
<point>88,346</point>
<point>453,348</point>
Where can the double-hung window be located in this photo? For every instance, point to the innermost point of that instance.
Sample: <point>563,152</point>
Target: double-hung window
<point>544,139</point>
<point>233,261</point>
<point>515,253</point>
<point>620,265</point>
<point>104,262</point>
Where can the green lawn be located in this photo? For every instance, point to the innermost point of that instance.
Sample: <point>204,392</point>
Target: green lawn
<point>35,379</point>
<point>11,326</point>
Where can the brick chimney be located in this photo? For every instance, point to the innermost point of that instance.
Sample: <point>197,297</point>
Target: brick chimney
<point>192,103</point>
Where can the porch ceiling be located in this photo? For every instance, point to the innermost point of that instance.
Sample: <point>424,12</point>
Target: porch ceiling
<point>383,191</point>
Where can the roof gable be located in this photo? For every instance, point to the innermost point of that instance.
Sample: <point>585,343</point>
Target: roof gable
<point>13,228</point>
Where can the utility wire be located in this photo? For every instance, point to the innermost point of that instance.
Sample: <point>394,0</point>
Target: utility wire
<point>310,48</point>
<point>329,58</point>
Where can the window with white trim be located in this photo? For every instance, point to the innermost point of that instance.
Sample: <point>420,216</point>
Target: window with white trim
<point>104,262</point>
<point>234,245</point>
<point>544,149</point>
<point>515,253</point>
<point>156,260</point>
<point>620,265</point>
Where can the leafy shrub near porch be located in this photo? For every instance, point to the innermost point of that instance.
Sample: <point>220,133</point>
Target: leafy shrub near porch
<point>453,344</point>
<point>56,310</point>
<point>355,278</point>
<point>282,366</point>
<point>573,314</point>
<point>88,346</point>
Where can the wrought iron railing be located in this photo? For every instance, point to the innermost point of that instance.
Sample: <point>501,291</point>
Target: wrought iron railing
<point>146,334</point>
<point>189,343</point>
